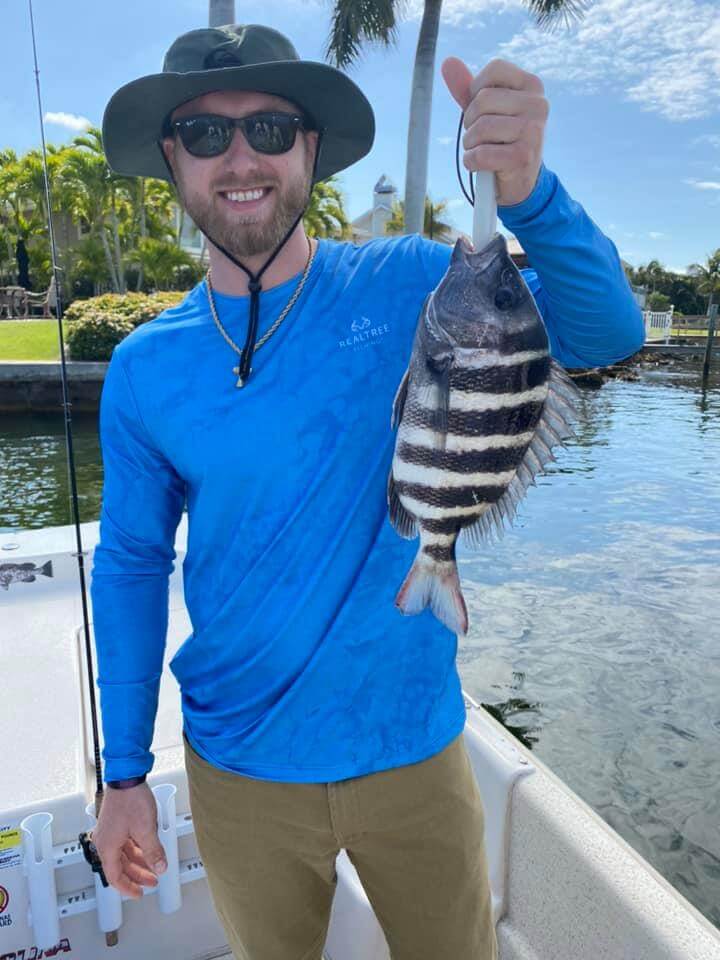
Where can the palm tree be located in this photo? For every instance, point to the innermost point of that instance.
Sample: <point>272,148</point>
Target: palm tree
<point>22,198</point>
<point>325,215</point>
<point>221,12</point>
<point>159,261</point>
<point>708,276</point>
<point>653,273</point>
<point>433,226</point>
<point>354,23</point>
<point>97,196</point>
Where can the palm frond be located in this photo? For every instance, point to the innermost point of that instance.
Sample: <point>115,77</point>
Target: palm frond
<point>356,21</point>
<point>548,13</point>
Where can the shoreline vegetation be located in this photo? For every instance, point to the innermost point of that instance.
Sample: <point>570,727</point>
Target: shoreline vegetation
<point>93,327</point>
<point>35,341</point>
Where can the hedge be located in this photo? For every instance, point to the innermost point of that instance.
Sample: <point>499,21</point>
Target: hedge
<point>98,324</point>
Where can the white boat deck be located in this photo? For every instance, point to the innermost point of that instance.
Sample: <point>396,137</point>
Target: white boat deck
<point>44,694</point>
<point>565,885</point>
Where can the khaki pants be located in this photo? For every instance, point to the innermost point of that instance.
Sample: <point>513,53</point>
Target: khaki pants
<point>414,833</point>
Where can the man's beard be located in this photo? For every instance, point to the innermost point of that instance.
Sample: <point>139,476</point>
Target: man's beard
<point>263,235</point>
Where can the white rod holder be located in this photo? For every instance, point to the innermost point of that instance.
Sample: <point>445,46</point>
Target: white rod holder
<point>40,873</point>
<point>484,209</point>
<point>169,896</point>
<point>108,900</point>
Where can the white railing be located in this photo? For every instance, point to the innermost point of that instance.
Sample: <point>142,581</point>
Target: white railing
<point>658,325</point>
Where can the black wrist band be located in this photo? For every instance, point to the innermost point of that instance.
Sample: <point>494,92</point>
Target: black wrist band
<point>124,784</point>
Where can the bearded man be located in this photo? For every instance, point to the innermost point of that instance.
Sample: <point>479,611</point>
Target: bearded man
<point>315,717</point>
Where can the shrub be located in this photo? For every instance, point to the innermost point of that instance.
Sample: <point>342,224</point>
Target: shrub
<point>98,324</point>
<point>658,301</point>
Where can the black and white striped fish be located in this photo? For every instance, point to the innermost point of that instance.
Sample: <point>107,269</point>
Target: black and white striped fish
<point>478,411</point>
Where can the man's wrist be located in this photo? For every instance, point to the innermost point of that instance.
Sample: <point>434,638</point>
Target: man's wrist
<point>126,784</point>
<point>533,206</point>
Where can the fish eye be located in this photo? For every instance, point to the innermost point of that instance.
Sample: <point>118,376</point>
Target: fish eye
<point>504,298</point>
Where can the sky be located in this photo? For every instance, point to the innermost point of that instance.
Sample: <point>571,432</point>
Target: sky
<point>633,131</point>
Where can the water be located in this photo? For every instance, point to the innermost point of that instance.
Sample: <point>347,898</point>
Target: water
<point>595,621</point>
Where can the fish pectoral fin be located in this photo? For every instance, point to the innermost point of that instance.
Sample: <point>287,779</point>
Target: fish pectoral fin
<point>439,391</point>
<point>399,401</point>
<point>404,522</point>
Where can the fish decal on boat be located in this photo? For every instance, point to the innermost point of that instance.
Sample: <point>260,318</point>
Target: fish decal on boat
<point>478,411</point>
<point>22,572</point>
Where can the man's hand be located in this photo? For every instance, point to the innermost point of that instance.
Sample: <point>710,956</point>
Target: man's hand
<point>127,842</point>
<point>505,113</point>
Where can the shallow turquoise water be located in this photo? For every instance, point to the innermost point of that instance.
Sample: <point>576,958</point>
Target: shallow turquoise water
<point>595,621</point>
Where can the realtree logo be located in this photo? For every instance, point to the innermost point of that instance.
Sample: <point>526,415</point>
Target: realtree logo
<point>364,333</point>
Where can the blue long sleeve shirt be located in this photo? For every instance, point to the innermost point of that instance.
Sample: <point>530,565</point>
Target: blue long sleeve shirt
<point>299,667</point>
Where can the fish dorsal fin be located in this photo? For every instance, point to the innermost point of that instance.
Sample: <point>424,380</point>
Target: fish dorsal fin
<point>553,428</point>
<point>404,522</point>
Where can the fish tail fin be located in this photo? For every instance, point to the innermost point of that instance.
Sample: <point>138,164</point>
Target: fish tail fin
<point>437,586</point>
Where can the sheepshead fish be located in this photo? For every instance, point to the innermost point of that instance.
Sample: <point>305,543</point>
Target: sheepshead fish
<point>478,411</point>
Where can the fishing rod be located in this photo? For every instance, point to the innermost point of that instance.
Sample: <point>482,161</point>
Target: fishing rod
<point>483,201</point>
<point>88,846</point>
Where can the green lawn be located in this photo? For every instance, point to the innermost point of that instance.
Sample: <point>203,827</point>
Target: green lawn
<point>30,341</point>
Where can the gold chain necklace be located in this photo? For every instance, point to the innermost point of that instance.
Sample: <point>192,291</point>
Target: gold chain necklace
<point>276,324</point>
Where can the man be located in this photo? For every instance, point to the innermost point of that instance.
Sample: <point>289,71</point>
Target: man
<point>316,717</point>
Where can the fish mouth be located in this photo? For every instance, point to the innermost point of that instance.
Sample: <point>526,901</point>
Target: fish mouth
<point>477,259</point>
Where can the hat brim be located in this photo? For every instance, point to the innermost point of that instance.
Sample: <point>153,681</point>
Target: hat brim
<point>133,118</point>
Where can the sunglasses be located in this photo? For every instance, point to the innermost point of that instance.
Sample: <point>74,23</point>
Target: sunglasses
<point>209,135</point>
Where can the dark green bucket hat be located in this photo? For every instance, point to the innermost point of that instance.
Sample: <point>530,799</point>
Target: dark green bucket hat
<point>236,57</point>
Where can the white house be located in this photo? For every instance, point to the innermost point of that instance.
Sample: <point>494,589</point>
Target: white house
<point>372,223</point>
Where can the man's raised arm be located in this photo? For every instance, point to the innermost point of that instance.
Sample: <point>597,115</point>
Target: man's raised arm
<point>576,277</point>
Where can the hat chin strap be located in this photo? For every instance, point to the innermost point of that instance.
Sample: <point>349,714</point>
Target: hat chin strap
<point>254,285</point>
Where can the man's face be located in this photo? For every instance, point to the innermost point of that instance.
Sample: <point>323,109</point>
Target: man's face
<point>245,228</point>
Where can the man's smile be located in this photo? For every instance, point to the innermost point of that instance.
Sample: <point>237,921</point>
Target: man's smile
<point>246,199</point>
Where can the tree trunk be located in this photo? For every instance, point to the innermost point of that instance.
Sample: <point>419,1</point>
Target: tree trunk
<point>418,141</point>
<point>181,223</point>
<point>120,273</point>
<point>143,230</point>
<point>109,259</point>
<point>23,261</point>
<point>221,12</point>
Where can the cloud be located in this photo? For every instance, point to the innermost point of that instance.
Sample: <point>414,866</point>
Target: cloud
<point>663,56</point>
<point>712,138</point>
<point>445,140</point>
<point>703,184</point>
<point>70,120</point>
<point>462,12</point>
<point>655,235</point>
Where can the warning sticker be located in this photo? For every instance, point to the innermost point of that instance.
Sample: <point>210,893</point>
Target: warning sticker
<point>10,847</point>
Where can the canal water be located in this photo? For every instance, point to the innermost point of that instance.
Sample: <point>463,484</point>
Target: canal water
<point>595,621</point>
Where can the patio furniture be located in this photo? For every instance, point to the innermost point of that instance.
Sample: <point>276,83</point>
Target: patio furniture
<point>13,302</point>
